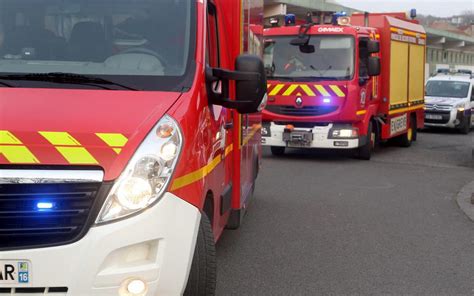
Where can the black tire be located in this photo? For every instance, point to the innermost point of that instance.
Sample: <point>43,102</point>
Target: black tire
<point>365,152</point>
<point>277,151</point>
<point>407,139</point>
<point>466,126</point>
<point>203,276</point>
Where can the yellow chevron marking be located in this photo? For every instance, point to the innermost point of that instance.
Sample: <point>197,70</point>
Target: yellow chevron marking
<point>276,90</point>
<point>337,90</point>
<point>307,90</point>
<point>290,90</point>
<point>322,90</point>
<point>8,138</point>
<point>18,154</point>
<point>117,150</point>
<point>77,155</point>
<point>113,140</point>
<point>60,139</point>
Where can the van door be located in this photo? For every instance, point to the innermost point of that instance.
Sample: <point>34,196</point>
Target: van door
<point>472,103</point>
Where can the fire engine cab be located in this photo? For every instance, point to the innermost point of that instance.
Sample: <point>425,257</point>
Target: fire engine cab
<point>129,140</point>
<point>346,83</point>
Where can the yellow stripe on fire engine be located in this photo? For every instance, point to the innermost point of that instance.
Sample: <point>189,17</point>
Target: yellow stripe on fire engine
<point>60,139</point>
<point>116,141</point>
<point>322,90</point>
<point>70,148</point>
<point>337,90</point>
<point>77,155</point>
<point>307,90</point>
<point>18,154</point>
<point>197,175</point>
<point>8,138</point>
<point>276,90</point>
<point>290,90</point>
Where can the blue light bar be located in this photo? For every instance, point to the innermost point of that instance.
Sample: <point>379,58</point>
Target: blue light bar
<point>44,205</point>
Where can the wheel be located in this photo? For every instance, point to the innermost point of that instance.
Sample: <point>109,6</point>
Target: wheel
<point>407,139</point>
<point>365,152</point>
<point>277,151</point>
<point>466,125</point>
<point>203,275</point>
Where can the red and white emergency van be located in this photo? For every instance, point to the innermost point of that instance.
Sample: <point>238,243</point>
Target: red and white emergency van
<point>346,84</point>
<point>129,138</point>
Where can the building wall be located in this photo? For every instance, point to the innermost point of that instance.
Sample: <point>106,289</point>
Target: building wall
<point>439,58</point>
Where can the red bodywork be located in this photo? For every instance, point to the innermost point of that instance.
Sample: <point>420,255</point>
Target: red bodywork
<point>212,159</point>
<point>345,96</point>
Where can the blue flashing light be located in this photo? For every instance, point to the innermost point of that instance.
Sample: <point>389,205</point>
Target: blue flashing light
<point>44,205</point>
<point>337,15</point>
<point>290,19</point>
<point>326,100</point>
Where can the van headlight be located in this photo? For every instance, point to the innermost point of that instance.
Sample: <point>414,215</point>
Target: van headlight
<point>460,107</point>
<point>147,175</point>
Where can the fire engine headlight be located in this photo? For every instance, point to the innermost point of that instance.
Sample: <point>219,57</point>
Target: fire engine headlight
<point>147,175</point>
<point>345,133</point>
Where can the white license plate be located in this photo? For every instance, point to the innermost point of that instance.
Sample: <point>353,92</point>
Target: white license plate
<point>398,124</point>
<point>15,272</point>
<point>433,116</point>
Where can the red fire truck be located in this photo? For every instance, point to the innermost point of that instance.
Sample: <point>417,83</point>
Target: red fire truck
<point>129,140</point>
<point>345,85</point>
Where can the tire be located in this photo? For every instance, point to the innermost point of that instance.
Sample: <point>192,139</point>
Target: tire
<point>203,276</point>
<point>407,139</point>
<point>365,152</point>
<point>277,151</point>
<point>466,126</point>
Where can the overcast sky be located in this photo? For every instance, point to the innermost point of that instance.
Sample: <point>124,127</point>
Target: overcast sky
<point>433,7</point>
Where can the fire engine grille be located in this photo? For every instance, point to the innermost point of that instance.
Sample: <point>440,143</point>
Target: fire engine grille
<point>38,215</point>
<point>303,111</point>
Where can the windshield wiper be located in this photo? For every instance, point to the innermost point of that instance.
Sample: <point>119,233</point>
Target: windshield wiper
<point>66,78</point>
<point>6,84</point>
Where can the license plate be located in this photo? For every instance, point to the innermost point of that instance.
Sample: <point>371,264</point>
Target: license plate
<point>15,272</point>
<point>398,124</point>
<point>298,139</point>
<point>433,116</point>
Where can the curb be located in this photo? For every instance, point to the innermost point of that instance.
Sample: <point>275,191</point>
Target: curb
<point>464,200</point>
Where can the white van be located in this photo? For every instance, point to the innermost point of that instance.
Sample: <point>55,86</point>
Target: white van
<point>449,100</point>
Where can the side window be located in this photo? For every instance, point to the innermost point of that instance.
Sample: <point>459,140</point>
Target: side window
<point>472,94</point>
<point>212,51</point>
<point>363,58</point>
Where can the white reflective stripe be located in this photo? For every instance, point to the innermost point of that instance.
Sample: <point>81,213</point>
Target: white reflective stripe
<point>50,176</point>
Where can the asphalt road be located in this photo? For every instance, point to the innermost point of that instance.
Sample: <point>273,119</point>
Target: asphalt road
<point>322,223</point>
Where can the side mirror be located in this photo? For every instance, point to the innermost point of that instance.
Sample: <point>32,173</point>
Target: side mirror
<point>250,92</point>
<point>374,66</point>
<point>373,46</point>
<point>250,85</point>
<point>307,48</point>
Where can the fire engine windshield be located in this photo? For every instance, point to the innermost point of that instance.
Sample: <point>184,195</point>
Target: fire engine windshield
<point>325,57</point>
<point>139,44</point>
<point>447,89</point>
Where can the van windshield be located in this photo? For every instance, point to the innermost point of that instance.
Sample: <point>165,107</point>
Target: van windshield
<point>333,58</point>
<point>143,44</point>
<point>448,89</point>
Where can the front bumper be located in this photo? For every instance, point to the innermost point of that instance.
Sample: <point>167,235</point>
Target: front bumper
<point>273,135</point>
<point>156,246</point>
<point>448,119</point>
